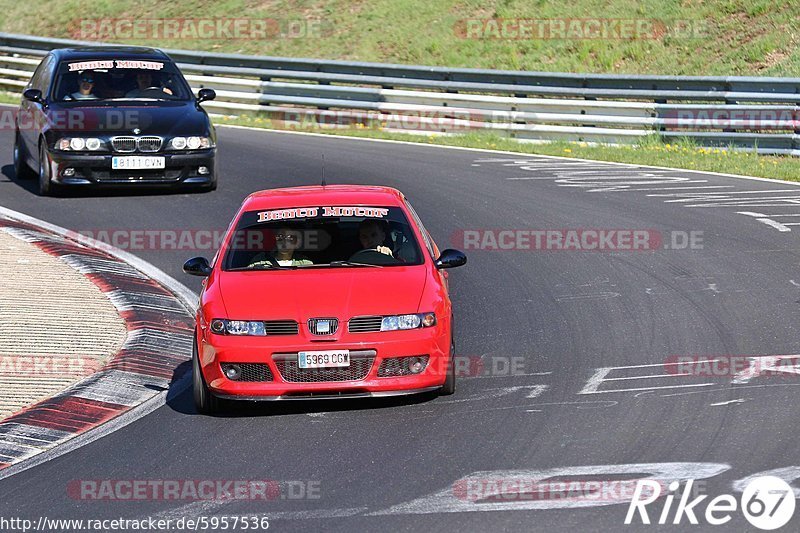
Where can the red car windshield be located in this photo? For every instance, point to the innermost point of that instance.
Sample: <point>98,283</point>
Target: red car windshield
<point>324,236</point>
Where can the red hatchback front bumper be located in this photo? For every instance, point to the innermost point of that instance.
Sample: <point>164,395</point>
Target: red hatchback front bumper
<point>371,372</point>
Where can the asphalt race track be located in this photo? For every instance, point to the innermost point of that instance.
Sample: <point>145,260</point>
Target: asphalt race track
<point>556,316</point>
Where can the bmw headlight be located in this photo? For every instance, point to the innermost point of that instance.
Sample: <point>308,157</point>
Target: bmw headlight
<point>237,327</point>
<point>397,322</point>
<point>78,144</point>
<point>179,143</point>
<point>190,143</point>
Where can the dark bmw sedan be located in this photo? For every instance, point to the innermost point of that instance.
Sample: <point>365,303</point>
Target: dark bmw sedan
<point>117,116</point>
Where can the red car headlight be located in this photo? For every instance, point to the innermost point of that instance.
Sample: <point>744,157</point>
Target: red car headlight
<point>399,322</point>
<point>237,327</point>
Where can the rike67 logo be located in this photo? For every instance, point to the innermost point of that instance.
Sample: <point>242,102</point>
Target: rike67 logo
<point>767,502</point>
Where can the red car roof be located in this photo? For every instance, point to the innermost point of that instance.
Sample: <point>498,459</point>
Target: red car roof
<point>328,195</point>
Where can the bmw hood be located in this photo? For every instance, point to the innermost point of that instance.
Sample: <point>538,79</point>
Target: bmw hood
<point>165,119</point>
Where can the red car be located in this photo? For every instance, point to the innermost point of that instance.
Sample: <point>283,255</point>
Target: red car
<point>324,292</point>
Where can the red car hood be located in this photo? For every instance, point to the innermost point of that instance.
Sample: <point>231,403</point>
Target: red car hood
<point>336,292</point>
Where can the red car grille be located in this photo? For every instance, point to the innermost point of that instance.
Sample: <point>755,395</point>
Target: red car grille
<point>360,364</point>
<point>364,324</point>
<point>313,326</point>
<point>281,327</point>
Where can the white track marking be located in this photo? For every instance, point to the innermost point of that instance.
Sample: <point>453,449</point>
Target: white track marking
<point>728,389</point>
<point>531,178</point>
<point>528,374</point>
<point>217,507</point>
<point>650,388</point>
<point>764,215</point>
<point>313,514</point>
<point>701,195</point>
<point>777,225</point>
<point>594,383</point>
<point>769,365</point>
<point>729,402</point>
<point>712,287</point>
<point>493,488</point>
<point>678,188</point>
<point>789,474</point>
<point>769,220</point>
<point>534,391</point>
<point>646,377</point>
<point>598,404</point>
<point>596,296</point>
<point>758,366</point>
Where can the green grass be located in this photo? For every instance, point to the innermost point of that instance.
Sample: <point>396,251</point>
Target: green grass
<point>649,151</point>
<point>744,37</point>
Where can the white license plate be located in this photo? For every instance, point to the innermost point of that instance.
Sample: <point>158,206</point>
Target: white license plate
<point>136,162</point>
<point>324,359</point>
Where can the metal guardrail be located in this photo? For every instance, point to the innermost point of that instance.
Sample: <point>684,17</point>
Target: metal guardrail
<point>750,113</point>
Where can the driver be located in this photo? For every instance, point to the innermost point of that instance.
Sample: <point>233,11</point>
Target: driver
<point>287,242</point>
<point>372,235</point>
<point>144,81</point>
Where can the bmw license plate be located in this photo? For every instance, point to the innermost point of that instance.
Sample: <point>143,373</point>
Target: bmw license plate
<point>324,359</point>
<point>136,162</point>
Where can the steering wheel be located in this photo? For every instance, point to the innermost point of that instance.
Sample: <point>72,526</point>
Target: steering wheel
<point>372,256</point>
<point>268,258</point>
<point>151,92</point>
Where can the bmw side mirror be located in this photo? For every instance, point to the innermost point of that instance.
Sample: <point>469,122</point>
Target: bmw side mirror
<point>33,95</point>
<point>197,266</point>
<point>206,94</point>
<point>450,259</point>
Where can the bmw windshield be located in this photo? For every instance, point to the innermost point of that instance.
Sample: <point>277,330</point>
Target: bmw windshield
<point>118,80</point>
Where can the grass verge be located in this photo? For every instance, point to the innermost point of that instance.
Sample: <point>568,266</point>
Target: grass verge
<point>695,37</point>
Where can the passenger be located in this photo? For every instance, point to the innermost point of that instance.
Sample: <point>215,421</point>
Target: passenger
<point>85,87</point>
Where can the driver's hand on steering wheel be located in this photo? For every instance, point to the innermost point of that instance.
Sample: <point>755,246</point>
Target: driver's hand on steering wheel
<point>385,250</point>
<point>260,263</point>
